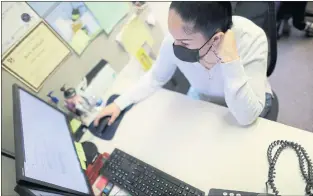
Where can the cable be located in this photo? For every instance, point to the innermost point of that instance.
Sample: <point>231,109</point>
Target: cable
<point>7,154</point>
<point>305,163</point>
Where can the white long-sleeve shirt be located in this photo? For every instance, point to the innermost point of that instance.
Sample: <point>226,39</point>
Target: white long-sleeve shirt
<point>241,84</point>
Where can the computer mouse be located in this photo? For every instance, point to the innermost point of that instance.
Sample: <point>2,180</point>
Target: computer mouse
<point>101,126</point>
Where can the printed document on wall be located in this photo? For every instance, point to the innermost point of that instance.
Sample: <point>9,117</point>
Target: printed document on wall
<point>42,8</point>
<point>134,35</point>
<point>36,57</point>
<point>108,14</point>
<point>75,24</point>
<point>17,20</point>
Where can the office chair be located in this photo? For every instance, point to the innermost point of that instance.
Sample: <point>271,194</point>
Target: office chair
<point>263,14</point>
<point>308,14</point>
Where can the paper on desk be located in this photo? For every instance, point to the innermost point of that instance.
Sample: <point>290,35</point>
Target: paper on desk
<point>134,35</point>
<point>108,14</point>
<point>102,82</point>
<point>75,124</point>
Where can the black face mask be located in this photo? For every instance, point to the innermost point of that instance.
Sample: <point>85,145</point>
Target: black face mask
<point>186,54</point>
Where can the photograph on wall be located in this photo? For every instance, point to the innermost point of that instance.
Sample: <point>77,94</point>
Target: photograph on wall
<point>75,24</point>
<point>17,20</point>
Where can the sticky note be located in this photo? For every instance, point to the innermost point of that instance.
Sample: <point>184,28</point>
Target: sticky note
<point>75,124</point>
<point>80,151</point>
<point>83,164</point>
<point>102,182</point>
<point>144,59</point>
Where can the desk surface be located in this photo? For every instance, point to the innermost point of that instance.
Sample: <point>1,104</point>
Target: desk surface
<point>201,144</point>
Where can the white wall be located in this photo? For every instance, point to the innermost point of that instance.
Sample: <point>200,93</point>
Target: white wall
<point>160,12</point>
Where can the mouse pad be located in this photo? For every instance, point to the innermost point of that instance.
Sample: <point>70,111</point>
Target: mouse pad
<point>109,132</point>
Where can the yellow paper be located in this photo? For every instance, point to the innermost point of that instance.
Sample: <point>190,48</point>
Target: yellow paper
<point>75,124</point>
<point>83,164</point>
<point>36,57</point>
<point>134,35</point>
<point>80,151</point>
<point>144,59</point>
<point>79,41</point>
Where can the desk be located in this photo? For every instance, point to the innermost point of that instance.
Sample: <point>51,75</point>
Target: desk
<point>201,144</point>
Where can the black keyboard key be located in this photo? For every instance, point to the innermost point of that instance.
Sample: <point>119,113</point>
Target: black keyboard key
<point>140,168</point>
<point>136,173</point>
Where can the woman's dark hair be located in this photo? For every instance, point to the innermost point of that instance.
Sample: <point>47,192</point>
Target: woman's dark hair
<point>207,17</point>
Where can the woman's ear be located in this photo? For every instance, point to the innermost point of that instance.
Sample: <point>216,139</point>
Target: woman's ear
<point>217,38</point>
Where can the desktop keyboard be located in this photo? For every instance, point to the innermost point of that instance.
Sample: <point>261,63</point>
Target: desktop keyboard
<point>139,178</point>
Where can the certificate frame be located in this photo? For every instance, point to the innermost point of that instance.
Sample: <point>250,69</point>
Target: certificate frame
<point>6,59</point>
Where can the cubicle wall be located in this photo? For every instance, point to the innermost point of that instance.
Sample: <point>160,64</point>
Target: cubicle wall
<point>8,180</point>
<point>71,72</point>
<point>76,67</point>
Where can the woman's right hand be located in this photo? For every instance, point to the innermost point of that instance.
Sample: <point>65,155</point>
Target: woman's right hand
<point>111,110</point>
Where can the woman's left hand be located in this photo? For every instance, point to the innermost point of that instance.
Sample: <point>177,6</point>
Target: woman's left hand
<point>226,51</point>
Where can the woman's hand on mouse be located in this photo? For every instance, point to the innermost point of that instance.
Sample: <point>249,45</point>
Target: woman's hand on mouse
<point>111,110</point>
